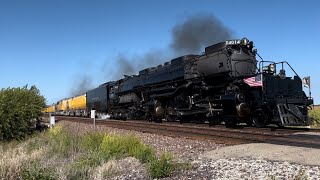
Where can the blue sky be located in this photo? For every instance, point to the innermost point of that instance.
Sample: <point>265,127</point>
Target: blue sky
<point>51,44</point>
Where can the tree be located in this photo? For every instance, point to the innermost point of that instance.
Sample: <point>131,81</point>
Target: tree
<point>19,110</point>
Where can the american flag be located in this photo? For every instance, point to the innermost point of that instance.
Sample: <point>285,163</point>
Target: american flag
<point>255,81</point>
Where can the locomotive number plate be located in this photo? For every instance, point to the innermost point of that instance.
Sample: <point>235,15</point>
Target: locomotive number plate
<point>232,42</point>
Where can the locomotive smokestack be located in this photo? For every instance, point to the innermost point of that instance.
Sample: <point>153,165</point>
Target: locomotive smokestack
<point>197,32</point>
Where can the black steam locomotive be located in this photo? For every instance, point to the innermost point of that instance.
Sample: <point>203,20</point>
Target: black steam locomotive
<point>224,84</point>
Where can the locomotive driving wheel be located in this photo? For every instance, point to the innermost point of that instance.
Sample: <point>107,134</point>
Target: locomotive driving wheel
<point>170,113</point>
<point>259,118</point>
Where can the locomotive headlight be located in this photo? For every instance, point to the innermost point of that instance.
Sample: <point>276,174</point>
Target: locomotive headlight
<point>244,41</point>
<point>272,68</point>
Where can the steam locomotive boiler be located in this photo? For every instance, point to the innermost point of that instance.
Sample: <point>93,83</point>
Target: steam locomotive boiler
<point>224,84</point>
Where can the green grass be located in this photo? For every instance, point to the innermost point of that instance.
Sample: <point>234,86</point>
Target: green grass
<point>59,154</point>
<point>314,115</point>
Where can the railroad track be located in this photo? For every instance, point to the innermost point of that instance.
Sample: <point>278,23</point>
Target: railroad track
<point>218,134</point>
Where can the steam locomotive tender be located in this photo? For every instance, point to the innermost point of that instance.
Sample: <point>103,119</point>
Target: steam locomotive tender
<point>222,85</point>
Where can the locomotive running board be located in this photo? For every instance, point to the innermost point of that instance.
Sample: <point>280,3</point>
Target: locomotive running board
<point>290,115</point>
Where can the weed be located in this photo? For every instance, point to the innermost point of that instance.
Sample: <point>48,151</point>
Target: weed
<point>77,156</point>
<point>302,175</point>
<point>37,141</point>
<point>163,167</point>
<point>271,177</point>
<point>119,146</point>
<point>90,159</point>
<point>55,132</point>
<point>142,152</point>
<point>183,166</point>
<point>314,115</point>
<point>79,173</point>
<point>33,170</point>
<point>62,142</point>
<point>92,141</point>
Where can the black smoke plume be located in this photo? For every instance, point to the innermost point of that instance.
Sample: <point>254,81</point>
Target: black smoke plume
<point>130,65</point>
<point>188,37</point>
<point>197,32</point>
<point>127,67</point>
<point>81,85</point>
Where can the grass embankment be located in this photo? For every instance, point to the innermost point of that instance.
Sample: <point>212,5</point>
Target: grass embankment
<point>58,154</point>
<point>314,114</point>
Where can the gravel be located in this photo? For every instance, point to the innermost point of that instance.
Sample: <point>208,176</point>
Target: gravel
<point>191,151</point>
<point>271,152</point>
<point>248,168</point>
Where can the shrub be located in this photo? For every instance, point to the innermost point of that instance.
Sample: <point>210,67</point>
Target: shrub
<point>163,167</point>
<point>19,110</point>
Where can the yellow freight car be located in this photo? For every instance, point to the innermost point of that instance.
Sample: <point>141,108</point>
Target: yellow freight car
<point>51,109</point>
<point>62,105</point>
<point>75,106</point>
<point>48,109</point>
<point>78,103</point>
<point>58,106</point>
<point>44,110</point>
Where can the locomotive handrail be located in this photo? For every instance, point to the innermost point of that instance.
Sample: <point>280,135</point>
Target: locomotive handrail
<point>290,67</point>
<point>261,62</point>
